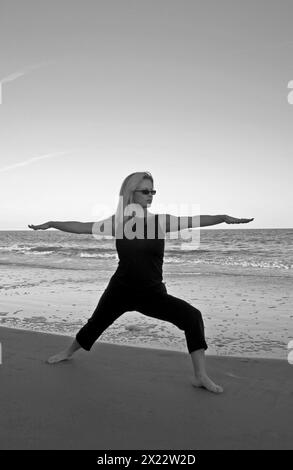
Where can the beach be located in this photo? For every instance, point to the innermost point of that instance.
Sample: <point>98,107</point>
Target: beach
<point>148,143</point>
<point>133,389</point>
<point>121,397</point>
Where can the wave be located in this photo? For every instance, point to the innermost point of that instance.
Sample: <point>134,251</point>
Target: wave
<point>98,255</point>
<point>77,263</point>
<point>43,265</point>
<point>226,262</point>
<point>65,251</point>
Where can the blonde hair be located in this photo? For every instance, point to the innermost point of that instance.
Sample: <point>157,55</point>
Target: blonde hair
<point>126,194</point>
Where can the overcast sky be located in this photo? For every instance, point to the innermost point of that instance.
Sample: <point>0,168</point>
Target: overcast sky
<point>196,92</point>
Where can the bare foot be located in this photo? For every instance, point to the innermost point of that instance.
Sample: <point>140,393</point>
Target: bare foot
<point>62,356</point>
<point>205,382</point>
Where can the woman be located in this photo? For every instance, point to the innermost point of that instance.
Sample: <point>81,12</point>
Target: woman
<point>137,284</point>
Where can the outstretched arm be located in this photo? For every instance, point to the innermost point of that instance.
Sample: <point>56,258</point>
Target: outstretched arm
<point>174,224</point>
<point>72,227</point>
<point>206,220</point>
<point>103,227</point>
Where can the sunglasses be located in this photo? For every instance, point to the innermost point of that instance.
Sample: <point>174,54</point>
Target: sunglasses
<point>146,191</point>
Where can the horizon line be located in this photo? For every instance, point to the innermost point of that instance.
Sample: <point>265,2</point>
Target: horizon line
<point>202,228</point>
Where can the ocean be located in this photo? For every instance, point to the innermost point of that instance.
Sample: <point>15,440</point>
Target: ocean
<point>52,280</point>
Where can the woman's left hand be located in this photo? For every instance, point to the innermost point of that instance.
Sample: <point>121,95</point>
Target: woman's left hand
<point>232,220</point>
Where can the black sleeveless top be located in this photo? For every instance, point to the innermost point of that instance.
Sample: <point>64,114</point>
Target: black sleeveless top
<point>141,259</point>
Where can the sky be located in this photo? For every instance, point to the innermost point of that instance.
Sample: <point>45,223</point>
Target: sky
<point>195,92</point>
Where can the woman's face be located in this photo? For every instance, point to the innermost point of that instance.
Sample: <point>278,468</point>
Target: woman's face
<point>144,200</point>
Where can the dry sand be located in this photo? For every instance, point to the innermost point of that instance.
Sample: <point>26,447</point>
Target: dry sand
<point>123,397</point>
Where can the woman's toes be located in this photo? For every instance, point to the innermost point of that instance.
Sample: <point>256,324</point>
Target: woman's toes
<point>63,356</point>
<point>218,389</point>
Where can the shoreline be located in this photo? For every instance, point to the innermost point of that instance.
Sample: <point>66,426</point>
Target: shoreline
<point>152,347</point>
<point>147,347</point>
<point>118,397</point>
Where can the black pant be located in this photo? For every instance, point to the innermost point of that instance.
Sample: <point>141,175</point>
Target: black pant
<point>153,302</point>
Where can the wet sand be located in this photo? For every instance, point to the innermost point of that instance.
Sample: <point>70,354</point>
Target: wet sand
<point>247,315</point>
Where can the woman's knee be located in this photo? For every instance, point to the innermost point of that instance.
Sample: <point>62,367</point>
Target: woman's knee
<point>193,316</point>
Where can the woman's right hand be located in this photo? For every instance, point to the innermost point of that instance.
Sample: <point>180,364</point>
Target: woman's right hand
<point>44,226</point>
